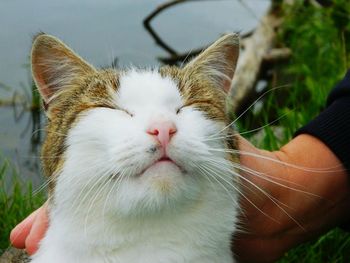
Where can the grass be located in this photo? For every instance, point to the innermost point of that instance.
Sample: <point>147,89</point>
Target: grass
<point>333,247</point>
<point>320,42</point>
<point>16,202</point>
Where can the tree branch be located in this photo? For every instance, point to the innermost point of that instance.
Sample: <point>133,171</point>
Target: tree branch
<point>174,56</point>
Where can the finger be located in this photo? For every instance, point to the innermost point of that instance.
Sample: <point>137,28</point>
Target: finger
<point>21,231</point>
<point>244,144</point>
<point>37,231</point>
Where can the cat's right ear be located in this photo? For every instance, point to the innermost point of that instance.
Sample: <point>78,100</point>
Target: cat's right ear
<point>55,66</point>
<point>217,63</point>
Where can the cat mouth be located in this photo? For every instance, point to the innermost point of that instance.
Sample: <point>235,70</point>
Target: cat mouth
<point>166,159</point>
<point>162,160</point>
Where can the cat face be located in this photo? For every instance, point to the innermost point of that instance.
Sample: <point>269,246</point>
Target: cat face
<point>134,141</point>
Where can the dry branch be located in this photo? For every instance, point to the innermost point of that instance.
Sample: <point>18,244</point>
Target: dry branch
<point>147,24</point>
<point>257,47</point>
<point>277,54</point>
<point>174,56</point>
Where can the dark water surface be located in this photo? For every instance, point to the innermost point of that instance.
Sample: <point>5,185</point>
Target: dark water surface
<point>99,31</point>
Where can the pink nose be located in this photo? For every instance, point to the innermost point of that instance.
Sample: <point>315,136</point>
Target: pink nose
<point>163,131</point>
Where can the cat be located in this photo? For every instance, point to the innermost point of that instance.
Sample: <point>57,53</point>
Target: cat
<point>135,158</point>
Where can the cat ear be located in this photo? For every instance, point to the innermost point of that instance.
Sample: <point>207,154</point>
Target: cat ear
<point>217,63</point>
<point>55,66</point>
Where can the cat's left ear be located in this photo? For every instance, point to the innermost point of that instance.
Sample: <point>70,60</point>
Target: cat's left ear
<point>217,63</point>
<point>55,66</point>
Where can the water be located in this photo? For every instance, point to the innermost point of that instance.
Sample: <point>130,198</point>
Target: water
<point>100,31</point>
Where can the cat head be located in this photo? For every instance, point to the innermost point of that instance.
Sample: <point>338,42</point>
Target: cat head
<point>135,140</point>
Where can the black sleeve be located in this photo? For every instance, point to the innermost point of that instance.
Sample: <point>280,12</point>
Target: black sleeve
<point>332,126</point>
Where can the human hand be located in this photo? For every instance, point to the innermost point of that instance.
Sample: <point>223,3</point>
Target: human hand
<point>298,204</point>
<point>31,230</point>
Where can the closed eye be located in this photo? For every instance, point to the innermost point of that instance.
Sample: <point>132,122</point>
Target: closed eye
<point>124,110</point>
<point>114,107</point>
<point>178,110</point>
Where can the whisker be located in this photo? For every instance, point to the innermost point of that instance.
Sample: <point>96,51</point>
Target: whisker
<point>116,183</point>
<point>247,109</point>
<point>251,202</point>
<point>207,172</point>
<point>89,191</point>
<point>249,131</point>
<point>273,199</point>
<point>265,177</point>
<point>303,168</point>
<point>82,191</point>
<point>101,188</point>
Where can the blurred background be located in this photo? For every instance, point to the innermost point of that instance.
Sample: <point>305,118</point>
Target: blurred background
<point>291,90</point>
<point>103,32</point>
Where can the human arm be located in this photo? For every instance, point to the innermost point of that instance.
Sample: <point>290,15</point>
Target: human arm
<point>321,150</point>
<point>300,216</point>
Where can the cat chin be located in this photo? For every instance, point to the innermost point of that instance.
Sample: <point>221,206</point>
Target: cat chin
<point>163,187</point>
<point>163,177</point>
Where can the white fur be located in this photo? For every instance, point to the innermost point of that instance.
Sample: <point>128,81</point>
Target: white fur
<point>167,214</point>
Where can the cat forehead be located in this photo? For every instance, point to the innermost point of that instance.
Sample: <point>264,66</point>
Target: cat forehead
<point>141,88</point>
